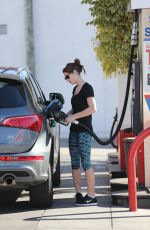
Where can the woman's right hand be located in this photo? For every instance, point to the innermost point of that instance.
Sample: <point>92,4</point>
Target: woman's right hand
<point>70,118</point>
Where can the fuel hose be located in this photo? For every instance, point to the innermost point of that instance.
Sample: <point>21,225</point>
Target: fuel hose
<point>133,44</point>
<point>112,129</point>
<point>61,115</point>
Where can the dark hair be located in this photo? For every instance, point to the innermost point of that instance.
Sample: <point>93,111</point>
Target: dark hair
<point>70,67</point>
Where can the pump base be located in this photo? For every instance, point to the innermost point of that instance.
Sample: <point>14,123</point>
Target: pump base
<point>119,189</point>
<point>120,198</point>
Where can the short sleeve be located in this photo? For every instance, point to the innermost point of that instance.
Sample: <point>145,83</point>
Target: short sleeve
<point>89,92</point>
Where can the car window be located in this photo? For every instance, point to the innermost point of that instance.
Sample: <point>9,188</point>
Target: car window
<point>37,91</point>
<point>38,86</point>
<point>11,94</point>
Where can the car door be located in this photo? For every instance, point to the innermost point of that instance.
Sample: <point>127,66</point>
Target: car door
<point>55,131</point>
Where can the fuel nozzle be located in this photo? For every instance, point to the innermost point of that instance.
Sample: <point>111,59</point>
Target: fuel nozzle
<point>59,116</point>
<point>54,106</point>
<point>52,122</point>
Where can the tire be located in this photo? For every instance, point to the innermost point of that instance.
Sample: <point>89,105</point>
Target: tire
<point>41,195</point>
<point>56,175</point>
<point>9,196</point>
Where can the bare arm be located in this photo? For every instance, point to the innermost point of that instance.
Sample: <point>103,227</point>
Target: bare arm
<point>69,112</point>
<point>86,112</point>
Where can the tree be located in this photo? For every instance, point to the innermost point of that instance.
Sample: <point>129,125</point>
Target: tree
<point>113,33</point>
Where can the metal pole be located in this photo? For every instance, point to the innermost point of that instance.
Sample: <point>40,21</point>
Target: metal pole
<point>29,36</point>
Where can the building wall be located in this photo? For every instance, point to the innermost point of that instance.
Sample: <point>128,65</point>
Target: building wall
<point>13,43</point>
<point>121,89</point>
<point>61,35</point>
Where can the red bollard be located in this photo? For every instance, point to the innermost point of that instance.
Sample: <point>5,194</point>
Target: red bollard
<point>140,159</point>
<point>132,168</point>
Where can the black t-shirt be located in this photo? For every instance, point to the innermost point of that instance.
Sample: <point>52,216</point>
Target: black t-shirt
<point>79,103</point>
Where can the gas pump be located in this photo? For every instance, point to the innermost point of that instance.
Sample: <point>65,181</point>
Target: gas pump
<point>136,101</point>
<point>141,80</point>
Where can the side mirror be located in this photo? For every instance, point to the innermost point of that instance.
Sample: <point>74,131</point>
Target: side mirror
<point>59,96</point>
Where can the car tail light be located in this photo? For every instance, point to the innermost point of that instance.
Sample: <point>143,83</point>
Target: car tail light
<point>32,122</point>
<point>21,158</point>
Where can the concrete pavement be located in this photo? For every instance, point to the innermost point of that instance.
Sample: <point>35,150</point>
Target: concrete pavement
<point>65,215</point>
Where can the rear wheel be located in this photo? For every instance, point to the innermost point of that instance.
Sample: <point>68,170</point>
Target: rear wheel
<point>41,196</point>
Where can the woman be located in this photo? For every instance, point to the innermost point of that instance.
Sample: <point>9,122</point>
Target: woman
<point>83,105</point>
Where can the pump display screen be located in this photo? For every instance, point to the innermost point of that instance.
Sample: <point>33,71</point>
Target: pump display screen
<point>148,79</point>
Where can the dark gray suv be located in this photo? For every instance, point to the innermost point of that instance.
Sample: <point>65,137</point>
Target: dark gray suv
<point>29,145</point>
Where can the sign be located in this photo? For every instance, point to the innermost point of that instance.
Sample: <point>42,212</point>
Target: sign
<point>146,50</point>
<point>139,4</point>
<point>147,99</point>
<point>145,39</point>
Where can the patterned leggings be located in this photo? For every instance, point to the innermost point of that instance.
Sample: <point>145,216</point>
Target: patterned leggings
<point>80,149</point>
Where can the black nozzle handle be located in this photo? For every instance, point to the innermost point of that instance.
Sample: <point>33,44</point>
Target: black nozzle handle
<point>63,123</point>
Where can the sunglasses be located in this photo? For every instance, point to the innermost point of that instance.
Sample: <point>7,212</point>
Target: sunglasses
<point>67,77</point>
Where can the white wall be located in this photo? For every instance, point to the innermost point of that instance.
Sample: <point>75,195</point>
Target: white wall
<point>122,82</point>
<point>12,44</point>
<point>61,34</point>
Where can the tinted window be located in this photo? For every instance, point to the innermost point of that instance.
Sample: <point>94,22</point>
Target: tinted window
<point>11,94</point>
<point>37,90</point>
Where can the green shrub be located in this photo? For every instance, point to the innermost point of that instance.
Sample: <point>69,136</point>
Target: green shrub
<point>113,33</point>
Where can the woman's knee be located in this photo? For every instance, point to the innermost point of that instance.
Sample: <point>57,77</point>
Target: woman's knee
<point>86,165</point>
<point>75,163</point>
